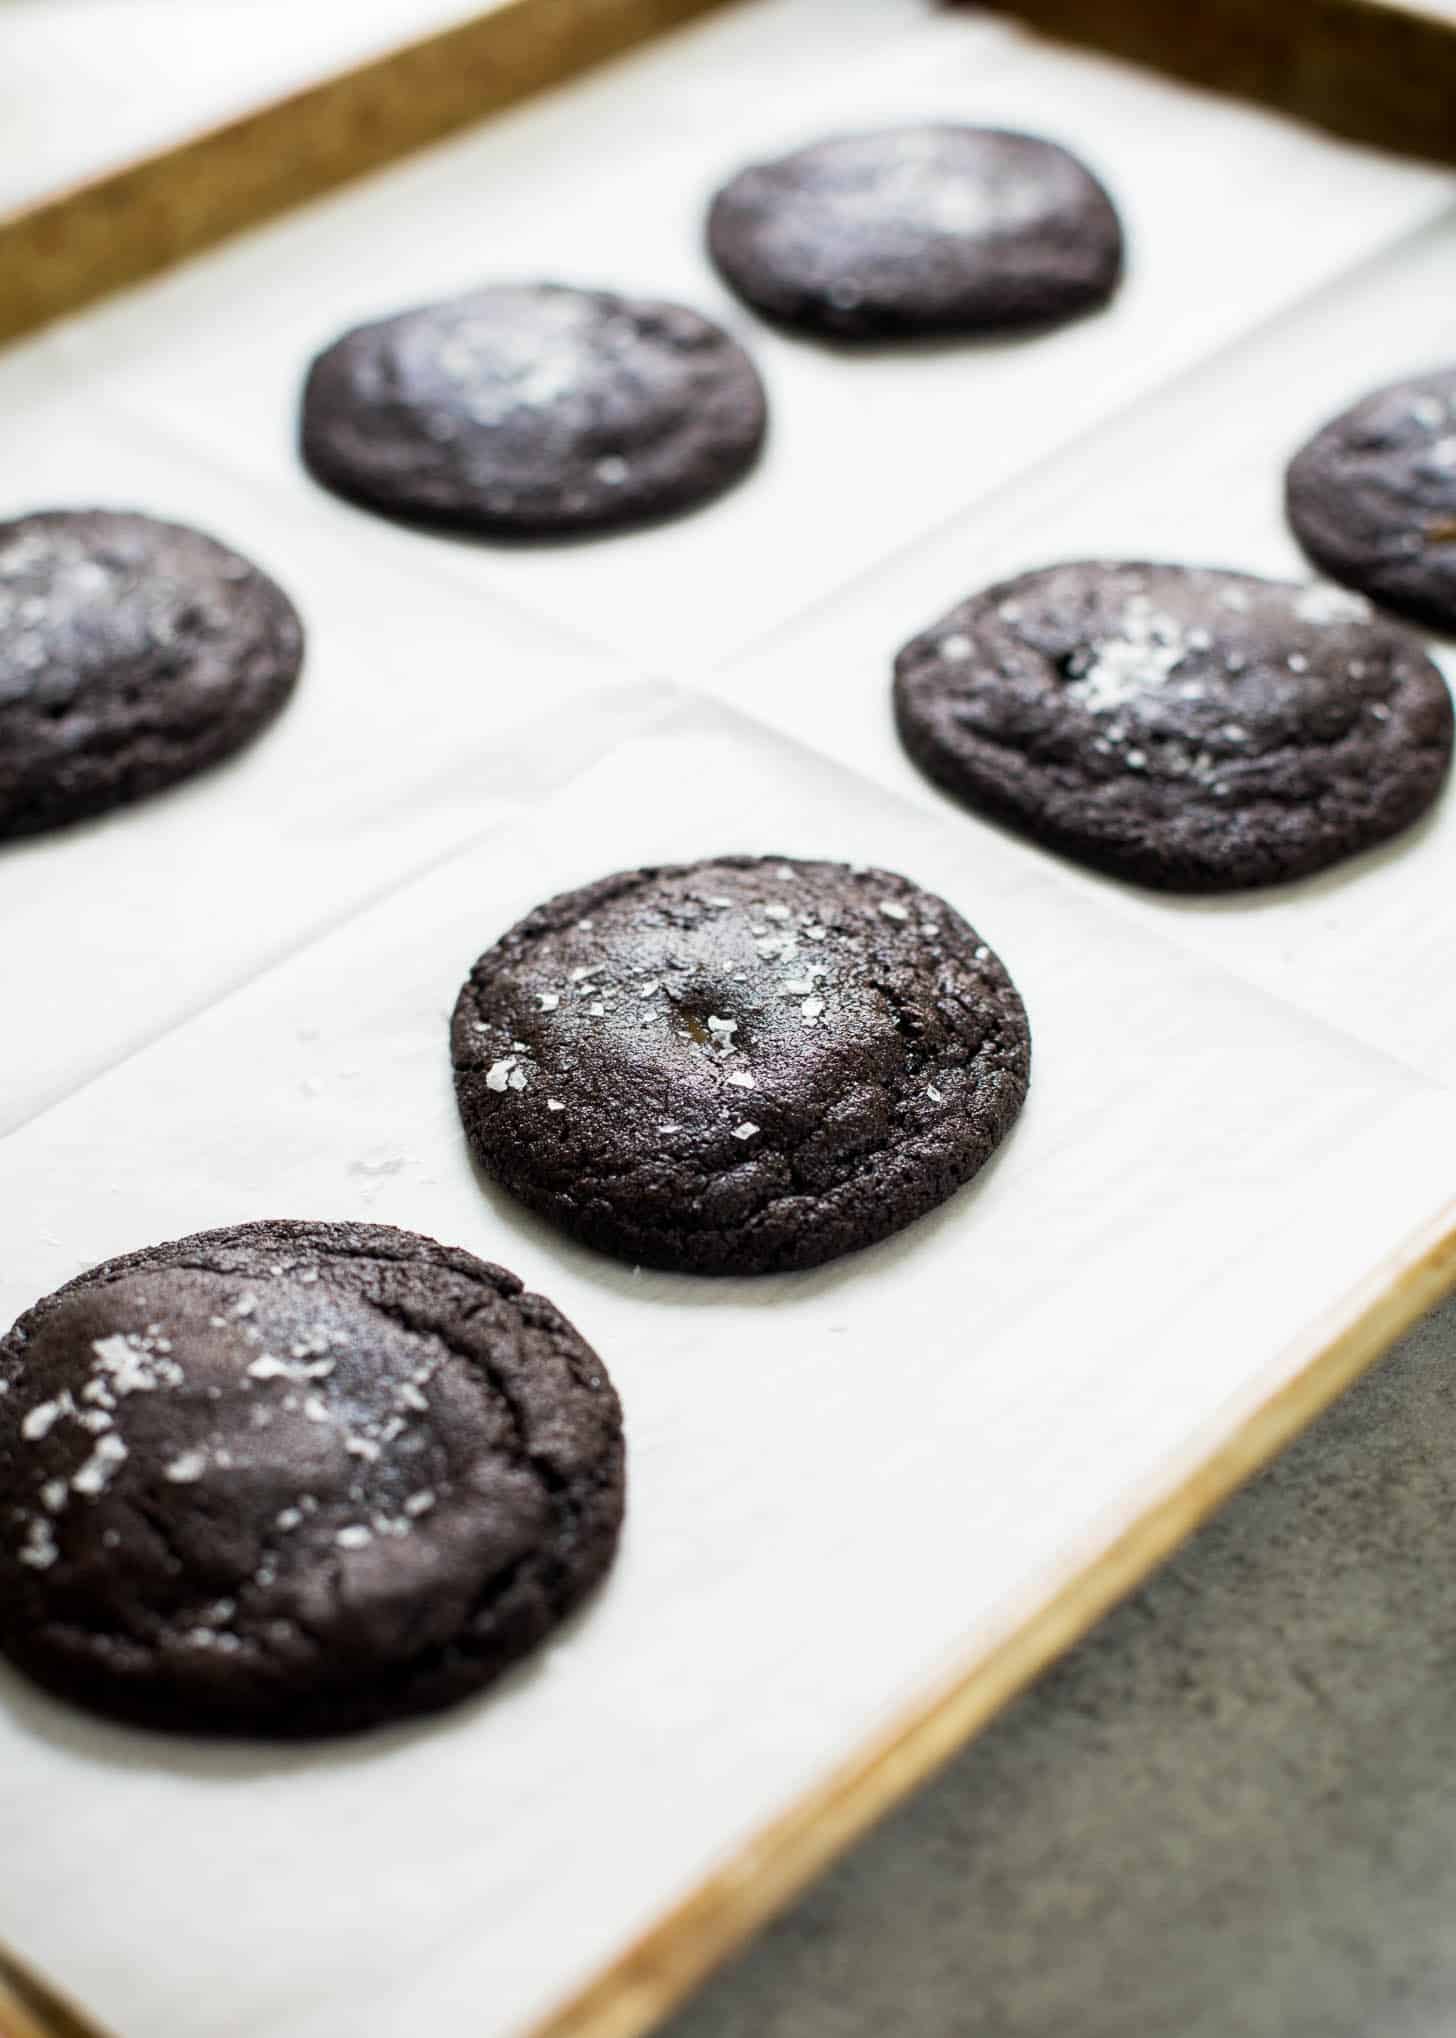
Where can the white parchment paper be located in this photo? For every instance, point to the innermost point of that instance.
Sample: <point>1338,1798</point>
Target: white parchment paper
<point>836,1479</point>
<point>231,1003</point>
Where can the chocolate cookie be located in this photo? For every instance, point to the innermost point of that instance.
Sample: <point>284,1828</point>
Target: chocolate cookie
<point>294,1479</point>
<point>1186,728</point>
<point>918,230</point>
<point>533,411</point>
<point>132,654</point>
<point>738,1067</point>
<point>1372,497</point>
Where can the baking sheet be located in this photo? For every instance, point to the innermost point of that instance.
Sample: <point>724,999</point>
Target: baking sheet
<point>836,1479</point>
<point>247,1017</point>
<point>64,118</point>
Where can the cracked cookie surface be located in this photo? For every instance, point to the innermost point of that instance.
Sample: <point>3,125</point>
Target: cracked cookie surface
<point>533,410</point>
<point>133,653</point>
<point>292,1479</point>
<point>738,1066</point>
<point>1181,727</point>
<point>918,231</point>
<point>1372,497</point>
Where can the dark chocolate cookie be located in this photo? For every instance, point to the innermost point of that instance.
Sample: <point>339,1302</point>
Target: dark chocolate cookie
<point>1182,727</point>
<point>292,1479</point>
<point>918,230</point>
<point>1372,497</point>
<point>738,1067</point>
<point>132,654</point>
<point>533,411</point>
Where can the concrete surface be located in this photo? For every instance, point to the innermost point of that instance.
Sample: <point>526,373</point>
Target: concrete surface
<point>1231,1811</point>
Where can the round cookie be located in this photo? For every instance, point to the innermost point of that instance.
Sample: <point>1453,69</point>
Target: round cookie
<point>1182,727</point>
<point>1372,497</point>
<point>294,1479</point>
<point>918,230</point>
<point>133,653</point>
<point>533,411</point>
<point>741,1066</point>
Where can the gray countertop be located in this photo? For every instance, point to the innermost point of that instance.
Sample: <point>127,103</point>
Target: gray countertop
<point>1231,1810</point>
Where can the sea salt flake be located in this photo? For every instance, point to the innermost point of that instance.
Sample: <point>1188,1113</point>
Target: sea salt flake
<point>1297,662</point>
<point>777,913</point>
<point>245,1305</point>
<point>548,1000</point>
<point>39,1549</point>
<point>554,1104</point>
<point>315,1409</point>
<point>1321,604</point>
<point>290,1518</point>
<point>54,1494</point>
<point>132,1365</point>
<point>650,990</point>
<point>43,1419</point>
<point>746,1130</point>
<point>955,647</point>
<point>722,1030</point>
<point>933,1094</point>
<point>355,1537</point>
<point>598,1011</point>
<point>893,912</point>
<point>362,1447</point>
<point>669,1126</point>
<point>811,1009</point>
<point>97,1472</point>
<point>517,1079</point>
<point>187,1468</point>
<point>1137,660</point>
<point>1428,413</point>
<point>418,1504</point>
<point>498,1075</point>
<point>742,1079</point>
